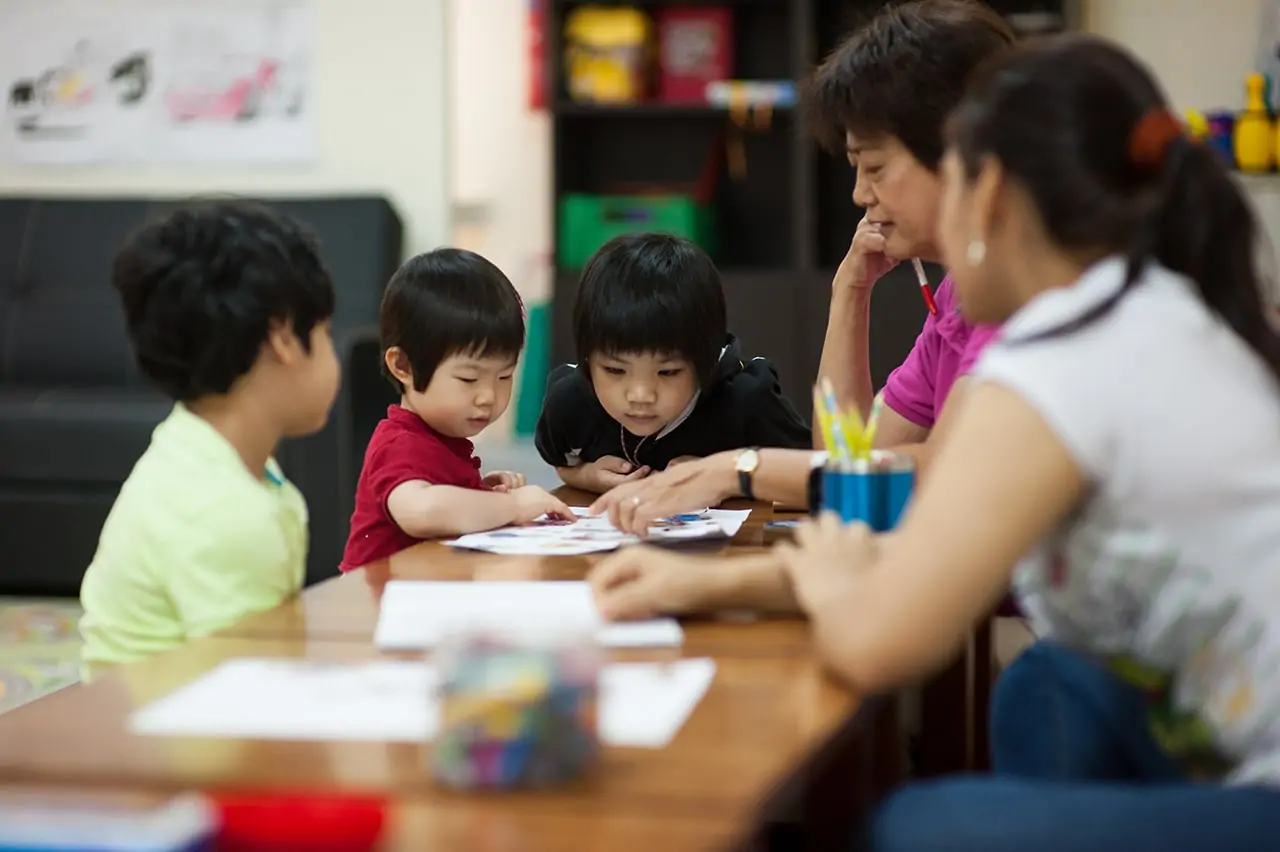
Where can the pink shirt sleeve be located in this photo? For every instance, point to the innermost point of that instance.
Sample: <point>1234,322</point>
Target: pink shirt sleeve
<point>909,390</point>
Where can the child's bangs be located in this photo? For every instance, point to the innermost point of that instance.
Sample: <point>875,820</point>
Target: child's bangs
<point>637,331</point>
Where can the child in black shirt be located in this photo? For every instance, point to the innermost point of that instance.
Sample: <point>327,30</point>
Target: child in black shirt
<point>659,379</point>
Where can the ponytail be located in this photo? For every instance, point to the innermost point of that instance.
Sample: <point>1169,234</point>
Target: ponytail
<point>1193,219</point>
<point>1083,126</point>
<point>1203,228</point>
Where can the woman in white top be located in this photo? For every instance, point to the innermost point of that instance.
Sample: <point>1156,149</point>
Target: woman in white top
<point>1122,453</point>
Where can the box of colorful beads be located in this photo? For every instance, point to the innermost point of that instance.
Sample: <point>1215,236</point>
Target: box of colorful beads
<point>517,709</point>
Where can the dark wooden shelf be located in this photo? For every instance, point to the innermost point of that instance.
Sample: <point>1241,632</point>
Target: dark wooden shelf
<point>784,223</point>
<point>727,273</point>
<point>672,2</point>
<point>648,109</point>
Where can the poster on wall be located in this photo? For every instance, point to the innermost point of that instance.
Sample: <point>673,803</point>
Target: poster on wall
<point>154,80</point>
<point>76,80</point>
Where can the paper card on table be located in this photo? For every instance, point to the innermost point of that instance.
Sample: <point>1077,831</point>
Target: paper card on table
<point>596,535</point>
<point>70,820</point>
<point>416,614</point>
<point>642,705</point>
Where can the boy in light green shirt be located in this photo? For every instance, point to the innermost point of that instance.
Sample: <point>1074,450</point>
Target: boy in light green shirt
<point>228,308</point>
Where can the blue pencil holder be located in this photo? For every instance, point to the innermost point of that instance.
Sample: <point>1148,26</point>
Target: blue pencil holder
<point>874,491</point>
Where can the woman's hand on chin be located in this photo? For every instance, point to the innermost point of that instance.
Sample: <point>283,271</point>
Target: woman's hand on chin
<point>691,485</point>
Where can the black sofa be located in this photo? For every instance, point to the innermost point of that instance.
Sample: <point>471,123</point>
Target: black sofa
<point>75,414</point>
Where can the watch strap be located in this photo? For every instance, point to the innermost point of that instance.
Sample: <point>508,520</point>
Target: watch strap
<point>746,477</point>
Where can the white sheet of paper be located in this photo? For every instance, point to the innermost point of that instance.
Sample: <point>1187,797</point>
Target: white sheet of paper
<point>596,535</point>
<point>642,705</point>
<point>417,614</point>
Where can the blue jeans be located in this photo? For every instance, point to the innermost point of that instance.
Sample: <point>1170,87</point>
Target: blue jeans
<point>1057,715</point>
<point>1076,770</point>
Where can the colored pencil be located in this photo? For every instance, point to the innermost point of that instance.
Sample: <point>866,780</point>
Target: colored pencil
<point>925,290</point>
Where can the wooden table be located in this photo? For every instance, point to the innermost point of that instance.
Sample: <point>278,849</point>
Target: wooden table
<point>761,716</point>
<point>954,719</point>
<point>773,742</point>
<point>346,608</point>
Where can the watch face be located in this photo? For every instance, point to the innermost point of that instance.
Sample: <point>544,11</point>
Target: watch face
<point>748,461</point>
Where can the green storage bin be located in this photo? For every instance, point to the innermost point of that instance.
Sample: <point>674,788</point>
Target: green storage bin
<point>589,221</point>
<point>535,366</point>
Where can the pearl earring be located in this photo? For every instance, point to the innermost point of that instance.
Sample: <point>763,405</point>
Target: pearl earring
<point>977,252</point>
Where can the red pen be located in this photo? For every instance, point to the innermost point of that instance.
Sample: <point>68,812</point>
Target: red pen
<point>925,290</point>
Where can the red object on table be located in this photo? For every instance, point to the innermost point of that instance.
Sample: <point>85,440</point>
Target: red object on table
<point>695,47</point>
<point>253,822</point>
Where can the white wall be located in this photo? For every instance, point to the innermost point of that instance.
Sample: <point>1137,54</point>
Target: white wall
<point>381,113</point>
<point>500,150</point>
<point>1200,49</point>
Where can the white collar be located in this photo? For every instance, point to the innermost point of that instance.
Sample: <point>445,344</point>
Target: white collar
<point>1054,308</point>
<point>684,415</point>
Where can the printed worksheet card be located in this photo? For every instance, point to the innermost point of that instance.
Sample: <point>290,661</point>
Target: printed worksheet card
<point>583,534</point>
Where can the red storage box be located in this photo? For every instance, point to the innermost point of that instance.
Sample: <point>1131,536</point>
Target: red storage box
<point>695,47</point>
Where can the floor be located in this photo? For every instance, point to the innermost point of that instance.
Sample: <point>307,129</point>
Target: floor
<point>39,649</point>
<point>520,456</point>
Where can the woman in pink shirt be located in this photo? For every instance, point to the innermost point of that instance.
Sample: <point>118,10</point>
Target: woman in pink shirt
<point>881,98</point>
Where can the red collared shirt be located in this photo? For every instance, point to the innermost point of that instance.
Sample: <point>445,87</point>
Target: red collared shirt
<point>403,449</point>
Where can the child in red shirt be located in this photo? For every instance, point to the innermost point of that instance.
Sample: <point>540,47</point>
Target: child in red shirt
<point>451,330</point>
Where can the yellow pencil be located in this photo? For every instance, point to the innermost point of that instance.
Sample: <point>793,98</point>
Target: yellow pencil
<point>841,446</point>
<point>873,420</point>
<point>855,431</point>
<point>824,421</point>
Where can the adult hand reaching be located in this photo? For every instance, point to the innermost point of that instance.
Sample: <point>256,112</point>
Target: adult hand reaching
<point>826,560</point>
<point>642,582</point>
<point>633,506</point>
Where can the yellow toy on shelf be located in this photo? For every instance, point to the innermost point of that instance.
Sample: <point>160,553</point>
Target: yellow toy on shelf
<point>1197,124</point>
<point>608,52</point>
<point>1254,135</point>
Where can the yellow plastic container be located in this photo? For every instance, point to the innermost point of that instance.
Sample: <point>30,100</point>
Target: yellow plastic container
<point>608,54</point>
<point>1197,124</point>
<point>1254,134</point>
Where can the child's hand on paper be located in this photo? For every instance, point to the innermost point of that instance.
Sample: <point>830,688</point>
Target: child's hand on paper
<point>826,559</point>
<point>608,472</point>
<point>866,261</point>
<point>533,502</point>
<point>642,582</point>
<point>504,480</point>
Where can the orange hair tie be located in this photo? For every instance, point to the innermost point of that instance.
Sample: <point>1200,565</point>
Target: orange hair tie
<point>1151,137</point>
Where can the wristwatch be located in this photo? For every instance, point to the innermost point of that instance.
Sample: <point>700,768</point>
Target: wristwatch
<point>746,464</point>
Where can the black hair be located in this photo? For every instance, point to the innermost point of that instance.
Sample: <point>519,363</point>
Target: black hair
<point>901,73</point>
<point>202,287</point>
<point>448,302</point>
<point>1061,117</point>
<point>652,292</point>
